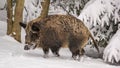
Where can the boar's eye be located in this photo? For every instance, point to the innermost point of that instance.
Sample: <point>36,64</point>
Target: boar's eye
<point>35,27</point>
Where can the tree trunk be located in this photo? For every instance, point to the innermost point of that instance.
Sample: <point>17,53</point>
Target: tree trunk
<point>45,8</point>
<point>16,30</point>
<point>9,17</point>
<point>44,12</point>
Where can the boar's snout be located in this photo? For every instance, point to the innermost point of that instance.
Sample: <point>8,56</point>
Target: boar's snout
<point>26,47</point>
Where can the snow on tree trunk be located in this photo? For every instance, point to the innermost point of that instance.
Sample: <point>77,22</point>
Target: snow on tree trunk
<point>112,51</point>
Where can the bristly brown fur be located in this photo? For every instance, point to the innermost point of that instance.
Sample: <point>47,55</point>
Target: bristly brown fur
<point>55,30</point>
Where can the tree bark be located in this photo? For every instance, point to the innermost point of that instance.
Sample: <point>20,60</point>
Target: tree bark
<point>16,30</point>
<point>9,17</point>
<point>45,8</point>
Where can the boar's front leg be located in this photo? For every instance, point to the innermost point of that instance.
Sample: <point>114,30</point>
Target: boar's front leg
<point>46,51</point>
<point>55,50</point>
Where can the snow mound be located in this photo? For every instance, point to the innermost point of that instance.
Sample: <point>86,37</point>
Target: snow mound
<point>3,28</point>
<point>12,54</point>
<point>112,51</point>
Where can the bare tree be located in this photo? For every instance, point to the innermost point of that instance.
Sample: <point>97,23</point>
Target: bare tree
<point>9,17</point>
<point>13,27</point>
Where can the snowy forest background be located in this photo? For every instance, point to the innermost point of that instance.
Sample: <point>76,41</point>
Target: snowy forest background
<point>102,17</point>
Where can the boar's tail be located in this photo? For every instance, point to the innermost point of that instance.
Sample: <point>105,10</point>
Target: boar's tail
<point>95,44</point>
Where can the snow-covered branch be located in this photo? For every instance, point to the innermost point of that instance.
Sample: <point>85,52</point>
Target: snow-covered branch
<point>102,17</point>
<point>99,12</point>
<point>112,51</point>
<point>32,9</point>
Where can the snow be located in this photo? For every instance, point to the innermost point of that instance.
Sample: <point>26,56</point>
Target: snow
<point>3,13</point>
<point>32,10</point>
<point>3,28</point>
<point>36,7</point>
<point>98,12</point>
<point>12,55</point>
<point>112,51</point>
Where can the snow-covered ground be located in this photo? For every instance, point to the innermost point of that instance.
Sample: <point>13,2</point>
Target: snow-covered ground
<point>12,55</point>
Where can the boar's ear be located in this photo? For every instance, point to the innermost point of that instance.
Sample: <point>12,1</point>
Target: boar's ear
<point>23,25</point>
<point>35,27</point>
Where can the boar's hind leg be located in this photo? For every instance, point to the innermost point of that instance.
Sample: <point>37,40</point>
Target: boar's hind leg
<point>81,50</point>
<point>74,47</point>
<point>82,45</point>
<point>77,55</point>
<point>46,51</point>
